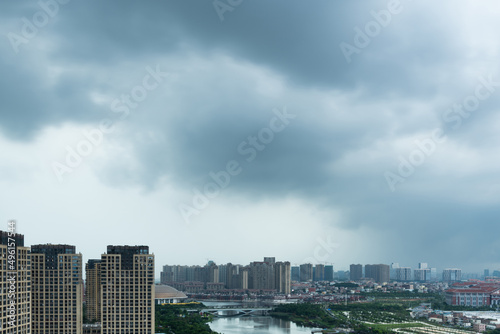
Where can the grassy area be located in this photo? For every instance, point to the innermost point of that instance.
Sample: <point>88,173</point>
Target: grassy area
<point>394,326</point>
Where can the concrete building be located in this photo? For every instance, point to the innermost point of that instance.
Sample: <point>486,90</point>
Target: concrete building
<point>91,329</point>
<point>296,273</point>
<point>422,275</point>
<point>306,272</point>
<point>15,279</point>
<point>127,290</point>
<point>394,267</point>
<point>451,275</point>
<point>356,272</point>
<point>57,289</point>
<point>329,273</point>
<point>319,273</point>
<point>475,294</point>
<point>261,276</point>
<point>380,273</point>
<point>282,277</point>
<point>93,290</point>
<point>403,274</point>
<point>486,273</point>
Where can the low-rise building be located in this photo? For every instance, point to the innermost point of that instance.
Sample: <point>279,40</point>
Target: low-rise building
<point>474,294</point>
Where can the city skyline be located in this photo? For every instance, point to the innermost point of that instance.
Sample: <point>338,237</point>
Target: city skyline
<point>207,261</point>
<point>334,132</point>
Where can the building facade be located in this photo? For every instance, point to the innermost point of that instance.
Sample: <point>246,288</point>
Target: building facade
<point>329,273</point>
<point>380,273</point>
<point>422,275</point>
<point>93,290</point>
<point>127,290</point>
<point>306,272</point>
<point>319,272</point>
<point>57,289</point>
<point>282,276</point>
<point>296,273</point>
<point>261,276</point>
<point>403,274</point>
<point>451,275</point>
<point>475,294</point>
<point>356,272</point>
<point>15,280</point>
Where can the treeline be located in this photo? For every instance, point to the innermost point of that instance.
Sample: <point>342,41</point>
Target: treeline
<point>314,315</point>
<point>305,314</point>
<point>174,319</point>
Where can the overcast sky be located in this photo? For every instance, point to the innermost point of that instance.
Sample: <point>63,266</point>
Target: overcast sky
<point>313,131</point>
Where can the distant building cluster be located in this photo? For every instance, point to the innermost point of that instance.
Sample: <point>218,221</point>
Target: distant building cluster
<point>478,321</point>
<point>314,273</point>
<point>384,273</point>
<point>267,275</point>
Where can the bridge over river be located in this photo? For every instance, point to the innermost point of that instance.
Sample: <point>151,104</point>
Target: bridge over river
<point>235,311</point>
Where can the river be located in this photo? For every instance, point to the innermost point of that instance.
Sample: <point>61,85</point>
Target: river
<point>253,324</point>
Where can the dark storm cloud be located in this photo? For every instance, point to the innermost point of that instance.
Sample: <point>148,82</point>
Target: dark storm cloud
<point>298,39</point>
<point>353,119</point>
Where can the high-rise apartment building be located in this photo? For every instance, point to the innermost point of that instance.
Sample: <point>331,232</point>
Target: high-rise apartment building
<point>392,273</point>
<point>356,272</point>
<point>486,273</point>
<point>57,288</point>
<point>223,273</point>
<point>380,273</point>
<point>296,273</point>
<point>212,272</point>
<point>319,272</point>
<point>403,274</point>
<point>282,277</point>
<point>422,275</point>
<point>261,276</point>
<point>306,272</point>
<point>15,278</point>
<point>329,273</point>
<point>93,290</point>
<point>452,275</point>
<point>127,290</point>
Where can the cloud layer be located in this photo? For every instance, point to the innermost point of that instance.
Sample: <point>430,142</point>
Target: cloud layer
<point>390,147</point>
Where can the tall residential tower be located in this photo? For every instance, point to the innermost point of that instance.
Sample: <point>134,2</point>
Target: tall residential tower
<point>127,290</point>
<point>57,288</point>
